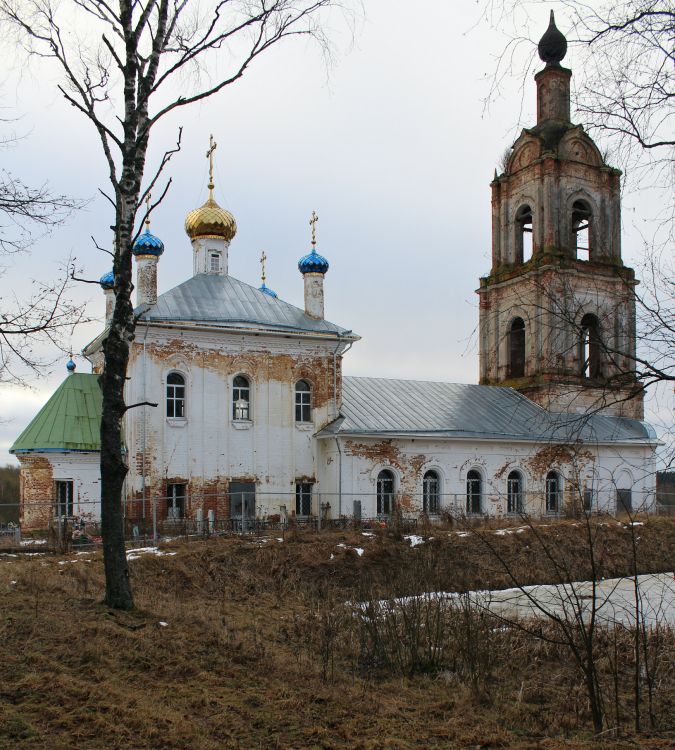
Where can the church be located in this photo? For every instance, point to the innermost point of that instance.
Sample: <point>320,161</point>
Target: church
<point>253,418</point>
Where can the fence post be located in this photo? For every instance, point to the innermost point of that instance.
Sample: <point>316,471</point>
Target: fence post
<point>212,520</point>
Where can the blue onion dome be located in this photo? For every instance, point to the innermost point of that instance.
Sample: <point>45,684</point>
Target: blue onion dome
<point>313,263</point>
<point>266,290</point>
<point>70,365</point>
<point>107,281</point>
<point>148,244</point>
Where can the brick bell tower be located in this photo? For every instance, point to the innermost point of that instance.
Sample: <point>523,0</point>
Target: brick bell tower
<point>557,311</point>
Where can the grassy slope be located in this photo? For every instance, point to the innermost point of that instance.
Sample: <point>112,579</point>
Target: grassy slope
<point>238,665</point>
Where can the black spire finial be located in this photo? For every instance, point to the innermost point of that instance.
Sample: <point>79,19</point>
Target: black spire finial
<point>553,45</point>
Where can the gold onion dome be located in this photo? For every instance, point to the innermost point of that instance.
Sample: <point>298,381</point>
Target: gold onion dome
<point>212,220</point>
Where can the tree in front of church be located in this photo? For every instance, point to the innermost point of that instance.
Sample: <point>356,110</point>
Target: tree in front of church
<point>129,65</point>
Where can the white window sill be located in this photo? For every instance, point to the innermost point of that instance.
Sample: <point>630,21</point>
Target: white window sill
<point>305,426</point>
<point>176,421</point>
<point>242,424</point>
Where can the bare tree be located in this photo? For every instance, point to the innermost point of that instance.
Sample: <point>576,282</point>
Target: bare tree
<point>47,317</point>
<point>132,64</point>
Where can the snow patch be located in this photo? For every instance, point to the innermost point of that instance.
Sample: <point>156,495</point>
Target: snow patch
<point>414,540</point>
<point>134,554</point>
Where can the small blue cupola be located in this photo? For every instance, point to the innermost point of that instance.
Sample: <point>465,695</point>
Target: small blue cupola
<point>266,290</point>
<point>313,263</point>
<point>70,366</point>
<point>107,281</point>
<point>148,244</point>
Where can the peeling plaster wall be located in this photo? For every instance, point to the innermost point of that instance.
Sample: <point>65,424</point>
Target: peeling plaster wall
<point>208,448</point>
<point>40,471</point>
<point>363,458</point>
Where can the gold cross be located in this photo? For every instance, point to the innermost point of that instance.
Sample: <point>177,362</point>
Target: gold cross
<point>147,211</point>
<point>312,223</point>
<point>209,155</point>
<point>263,258</point>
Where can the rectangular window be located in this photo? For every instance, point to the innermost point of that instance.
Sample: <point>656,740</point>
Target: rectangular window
<point>242,500</point>
<point>303,499</point>
<point>589,500</point>
<point>624,501</point>
<point>175,500</point>
<point>64,497</point>
<point>215,262</point>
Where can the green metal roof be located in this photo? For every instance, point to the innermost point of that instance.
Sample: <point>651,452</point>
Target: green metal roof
<point>69,421</point>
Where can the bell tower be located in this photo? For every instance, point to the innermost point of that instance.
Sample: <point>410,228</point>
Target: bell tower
<point>557,311</point>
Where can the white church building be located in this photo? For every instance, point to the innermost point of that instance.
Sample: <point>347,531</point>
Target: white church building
<point>255,420</point>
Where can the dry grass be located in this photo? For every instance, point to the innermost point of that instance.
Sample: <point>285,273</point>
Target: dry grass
<point>259,651</point>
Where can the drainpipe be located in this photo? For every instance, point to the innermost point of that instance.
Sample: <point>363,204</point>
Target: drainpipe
<point>337,445</point>
<point>143,431</point>
<point>345,350</point>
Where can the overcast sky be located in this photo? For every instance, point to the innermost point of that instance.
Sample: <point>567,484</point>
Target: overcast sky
<point>391,146</point>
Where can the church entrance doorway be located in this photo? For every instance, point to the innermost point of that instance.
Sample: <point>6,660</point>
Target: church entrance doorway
<point>242,504</point>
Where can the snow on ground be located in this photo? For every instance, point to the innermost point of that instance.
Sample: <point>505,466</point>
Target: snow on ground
<point>31,542</point>
<point>134,554</point>
<point>359,550</point>
<point>414,540</point>
<point>614,600</point>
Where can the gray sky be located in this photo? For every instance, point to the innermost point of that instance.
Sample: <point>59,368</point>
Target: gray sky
<point>390,145</point>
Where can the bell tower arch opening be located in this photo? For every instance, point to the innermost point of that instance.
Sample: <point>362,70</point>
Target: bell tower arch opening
<point>581,230</point>
<point>590,345</point>
<point>516,366</point>
<point>524,241</point>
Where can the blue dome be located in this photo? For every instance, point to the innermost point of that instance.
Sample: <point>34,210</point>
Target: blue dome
<point>266,290</point>
<point>148,244</point>
<point>313,263</point>
<point>70,365</point>
<point>107,281</point>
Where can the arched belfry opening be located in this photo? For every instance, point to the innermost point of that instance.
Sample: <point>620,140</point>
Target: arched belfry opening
<point>524,242</point>
<point>581,230</point>
<point>556,250</point>
<point>590,345</point>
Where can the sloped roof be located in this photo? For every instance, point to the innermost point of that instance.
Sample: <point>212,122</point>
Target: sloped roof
<point>70,420</point>
<point>381,406</point>
<point>226,301</point>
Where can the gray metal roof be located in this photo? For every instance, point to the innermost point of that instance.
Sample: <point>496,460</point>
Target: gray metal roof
<point>381,406</point>
<point>226,301</point>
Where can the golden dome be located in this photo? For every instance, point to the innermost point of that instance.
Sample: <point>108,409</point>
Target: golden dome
<point>210,219</point>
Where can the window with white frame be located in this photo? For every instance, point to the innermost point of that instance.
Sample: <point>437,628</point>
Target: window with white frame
<point>514,492</point>
<point>303,401</point>
<point>175,500</point>
<point>64,498</point>
<point>214,261</point>
<point>175,395</point>
<point>303,498</point>
<point>474,490</point>
<point>241,398</point>
<point>431,489</point>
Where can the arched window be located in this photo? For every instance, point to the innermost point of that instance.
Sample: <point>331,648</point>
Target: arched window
<point>175,395</point>
<point>431,488</point>
<point>474,491</point>
<point>523,234</point>
<point>385,493</point>
<point>581,228</point>
<point>517,348</point>
<point>241,398</point>
<point>590,346</point>
<point>553,493</point>
<point>303,401</point>
<point>514,492</point>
